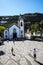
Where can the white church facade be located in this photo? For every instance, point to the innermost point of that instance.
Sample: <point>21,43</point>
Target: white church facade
<point>15,31</point>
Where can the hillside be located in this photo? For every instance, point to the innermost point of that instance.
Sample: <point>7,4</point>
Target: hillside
<point>29,18</point>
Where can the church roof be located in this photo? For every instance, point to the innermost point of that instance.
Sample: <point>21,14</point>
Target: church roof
<point>11,26</point>
<point>14,24</point>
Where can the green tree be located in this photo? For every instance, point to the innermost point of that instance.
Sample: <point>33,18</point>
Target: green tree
<point>41,24</point>
<point>1,30</point>
<point>34,27</point>
<point>41,27</point>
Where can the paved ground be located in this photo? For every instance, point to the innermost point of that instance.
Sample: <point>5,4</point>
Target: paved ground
<point>23,51</point>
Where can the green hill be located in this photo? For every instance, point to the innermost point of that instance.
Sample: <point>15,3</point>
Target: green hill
<point>29,18</point>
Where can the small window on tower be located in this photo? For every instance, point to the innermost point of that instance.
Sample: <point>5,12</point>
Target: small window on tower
<point>21,24</point>
<point>21,31</point>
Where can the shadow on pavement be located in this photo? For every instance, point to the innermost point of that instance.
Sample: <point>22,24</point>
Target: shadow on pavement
<point>2,53</point>
<point>1,63</point>
<point>1,43</point>
<point>29,63</point>
<point>30,55</point>
<point>39,62</point>
<point>13,54</point>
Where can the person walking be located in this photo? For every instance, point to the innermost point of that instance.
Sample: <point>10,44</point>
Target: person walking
<point>12,51</point>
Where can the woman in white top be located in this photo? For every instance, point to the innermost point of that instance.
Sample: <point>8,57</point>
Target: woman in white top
<point>34,54</point>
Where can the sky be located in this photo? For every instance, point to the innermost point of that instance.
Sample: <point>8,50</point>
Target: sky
<point>16,7</point>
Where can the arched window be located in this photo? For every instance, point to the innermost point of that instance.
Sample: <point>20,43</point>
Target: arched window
<point>14,30</point>
<point>5,32</point>
<point>21,24</point>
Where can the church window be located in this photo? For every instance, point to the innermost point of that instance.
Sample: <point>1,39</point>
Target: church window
<point>14,30</point>
<point>5,32</point>
<point>21,31</point>
<point>21,24</point>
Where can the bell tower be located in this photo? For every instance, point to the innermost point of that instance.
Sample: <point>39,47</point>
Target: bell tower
<point>21,25</point>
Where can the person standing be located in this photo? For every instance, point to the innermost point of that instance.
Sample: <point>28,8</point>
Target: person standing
<point>34,53</point>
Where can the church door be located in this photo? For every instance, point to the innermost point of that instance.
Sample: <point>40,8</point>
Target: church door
<point>14,34</point>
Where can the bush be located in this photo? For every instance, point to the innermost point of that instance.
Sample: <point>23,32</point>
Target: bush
<point>1,30</point>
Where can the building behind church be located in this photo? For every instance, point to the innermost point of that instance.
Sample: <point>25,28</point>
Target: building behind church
<point>15,31</point>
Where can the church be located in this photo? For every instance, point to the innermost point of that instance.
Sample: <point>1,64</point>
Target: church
<point>15,31</point>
